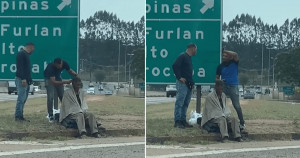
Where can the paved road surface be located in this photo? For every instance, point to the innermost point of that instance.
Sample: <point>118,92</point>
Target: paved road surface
<point>133,147</point>
<point>276,149</point>
<point>160,100</point>
<point>7,97</point>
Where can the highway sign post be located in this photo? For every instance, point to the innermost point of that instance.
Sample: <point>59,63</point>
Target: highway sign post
<point>52,25</point>
<point>170,26</point>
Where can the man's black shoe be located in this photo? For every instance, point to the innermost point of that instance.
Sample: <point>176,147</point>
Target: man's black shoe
<point>21,119</point>
<point>185,124</point>
<point>178,124</point>
<point>95,135</point>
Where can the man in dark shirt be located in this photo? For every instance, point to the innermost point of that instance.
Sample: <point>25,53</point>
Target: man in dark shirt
<point>183,70</point>
<point>23,79</point>
<point>54,83</point>
<point>228,71</point>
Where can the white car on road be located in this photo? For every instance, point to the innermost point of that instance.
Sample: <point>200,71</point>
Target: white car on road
<point>171,90</point>
<point>91,90</point>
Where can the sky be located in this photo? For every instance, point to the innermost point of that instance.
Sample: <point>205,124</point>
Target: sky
<point>270,11</point>
<point>127,10</point>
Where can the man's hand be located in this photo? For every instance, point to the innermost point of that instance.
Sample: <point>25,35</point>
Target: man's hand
<point>24,83</point>
<point>67,82</point>
<point>183,80</point>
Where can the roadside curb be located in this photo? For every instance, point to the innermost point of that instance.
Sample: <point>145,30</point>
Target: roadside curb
<point>156,96</point>
<point>73,133</point>
<point>215,137</point>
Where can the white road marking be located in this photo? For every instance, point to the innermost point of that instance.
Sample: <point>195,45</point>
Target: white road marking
<point>70,148</point>
<point>215,152</point>
<point>24,143</point>
<point>172,147</point>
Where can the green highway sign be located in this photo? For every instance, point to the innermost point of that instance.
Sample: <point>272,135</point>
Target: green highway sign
<point>170,26</point>
<point>288,90</point>
<point>183,9</point>
<point>52,25</point>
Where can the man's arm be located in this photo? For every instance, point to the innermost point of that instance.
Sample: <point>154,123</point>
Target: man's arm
<point>233,55</point>
<point>21,67</point>
<point>59,82</point>
<point>72,72</point>
<point>177,69</point>
<point>218,72</point>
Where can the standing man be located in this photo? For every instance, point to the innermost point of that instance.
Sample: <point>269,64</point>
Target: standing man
<point>54,83</point>
<point>228,71</point>
<point>183,70</point>
<point>23,79</point>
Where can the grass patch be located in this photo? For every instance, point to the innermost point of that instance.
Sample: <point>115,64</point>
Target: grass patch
<point>116,105</point>
<point>160,117</point>
<point>36,110</point>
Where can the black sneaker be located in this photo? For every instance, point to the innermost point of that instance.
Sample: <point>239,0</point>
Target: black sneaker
<point>82,135</point>
<point>21,119</point>
<point>178,124</point>
<point>51,119</point>
<point>242,126</point>
<point>95,135</point>
<point>185,124</point>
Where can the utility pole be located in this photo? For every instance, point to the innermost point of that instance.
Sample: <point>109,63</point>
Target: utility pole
<point>198,99</point>
<point>90,68</point>
<point>269,69</point>
<point>125,62</point>
<point>262,66</point>
<point>119,69</point>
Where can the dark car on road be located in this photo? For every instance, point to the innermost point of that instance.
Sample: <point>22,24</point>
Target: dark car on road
<point>249,95</point>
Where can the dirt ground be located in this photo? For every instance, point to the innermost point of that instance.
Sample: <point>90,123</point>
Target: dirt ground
<point>122,122</point>
<point>118,121</point>
<point>272,126</point>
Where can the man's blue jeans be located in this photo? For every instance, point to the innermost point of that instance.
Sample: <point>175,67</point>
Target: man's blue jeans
<point>22,98</point>
<point>53,93</point>
<point>233,92</point>
<point>183,98</point>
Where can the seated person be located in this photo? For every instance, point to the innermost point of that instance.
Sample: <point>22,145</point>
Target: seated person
<point>75,108</point>
<point>216,111</point>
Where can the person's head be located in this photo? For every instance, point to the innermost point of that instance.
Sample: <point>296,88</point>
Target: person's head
<point>58,63</point>
<point>226,55</point>
<point>76,83</point>
<point>191,49</point>
<point>219,86</point>
<point>29,47</point>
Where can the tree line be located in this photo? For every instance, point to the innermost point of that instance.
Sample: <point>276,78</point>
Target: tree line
<point>257,42</point>
<point>105,40</point>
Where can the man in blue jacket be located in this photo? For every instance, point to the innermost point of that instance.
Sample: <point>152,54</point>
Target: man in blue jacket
<point>228,71</point>
<point>23,79</point>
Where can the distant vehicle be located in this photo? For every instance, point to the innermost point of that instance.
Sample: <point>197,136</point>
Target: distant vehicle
<point>100,88</point>
<point>249,95</point>
<point>258,90</point>
<point>91,85</point>
<point>12,88</point>
<point>108,92</point>
<point>241,92</point>
<point>36,88</point>
<point>91,90</point>
<point>171,90</point>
